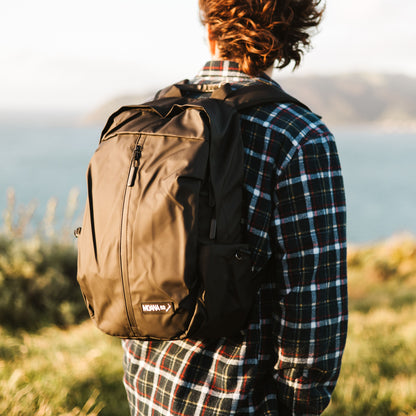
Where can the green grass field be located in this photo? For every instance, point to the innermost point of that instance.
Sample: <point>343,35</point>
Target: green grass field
<point>68,367</point>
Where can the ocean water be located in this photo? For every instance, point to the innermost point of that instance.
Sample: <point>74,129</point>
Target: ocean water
<point>49,159</point>
<point>380,181</point>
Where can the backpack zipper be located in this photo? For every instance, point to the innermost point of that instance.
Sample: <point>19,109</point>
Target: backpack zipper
<point>133,170</point>
<point>134,167</point>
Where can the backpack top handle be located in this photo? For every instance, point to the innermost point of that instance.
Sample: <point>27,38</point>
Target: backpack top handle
<point>243,97</point>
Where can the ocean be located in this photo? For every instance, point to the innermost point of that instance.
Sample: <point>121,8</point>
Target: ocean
<point>48,159</point>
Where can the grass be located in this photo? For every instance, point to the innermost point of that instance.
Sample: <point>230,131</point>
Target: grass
<point>70,369</point>
<point>74,372</point>
<point>379,369</point>
<point>378,375</point>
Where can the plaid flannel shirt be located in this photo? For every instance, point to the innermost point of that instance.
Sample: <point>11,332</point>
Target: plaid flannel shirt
<point>288,360</point>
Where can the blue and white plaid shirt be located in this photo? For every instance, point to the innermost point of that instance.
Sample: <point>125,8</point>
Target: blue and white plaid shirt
<point>288,361</point>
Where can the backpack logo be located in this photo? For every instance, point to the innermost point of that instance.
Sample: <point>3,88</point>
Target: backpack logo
<point>157,307</point>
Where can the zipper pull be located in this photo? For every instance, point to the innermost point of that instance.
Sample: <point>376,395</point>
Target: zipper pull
<point>213,229</point>
<point>134,165</point>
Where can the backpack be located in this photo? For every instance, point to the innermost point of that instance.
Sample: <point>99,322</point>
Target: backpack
<point>161,252</point>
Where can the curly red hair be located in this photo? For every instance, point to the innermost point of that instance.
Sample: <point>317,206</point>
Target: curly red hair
<point>256,33</point>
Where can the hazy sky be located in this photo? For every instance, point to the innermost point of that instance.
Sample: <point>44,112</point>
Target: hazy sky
<point>75,55</point>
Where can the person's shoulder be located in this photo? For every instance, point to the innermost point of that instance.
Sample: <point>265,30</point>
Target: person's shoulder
<point>287,113</point>
<point>295,121</point>
<point>289,128</point>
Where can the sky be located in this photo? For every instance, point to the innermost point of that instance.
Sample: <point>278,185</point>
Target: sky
<point>76,55</point>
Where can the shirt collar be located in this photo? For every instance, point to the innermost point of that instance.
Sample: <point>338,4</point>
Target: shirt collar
<point>228,71</point>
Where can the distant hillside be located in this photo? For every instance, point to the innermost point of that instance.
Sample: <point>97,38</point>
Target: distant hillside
<point>388,100</point>
<point>100,114</point>
<point>384,100</point>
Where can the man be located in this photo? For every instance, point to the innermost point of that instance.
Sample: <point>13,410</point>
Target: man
<point>288,360</point>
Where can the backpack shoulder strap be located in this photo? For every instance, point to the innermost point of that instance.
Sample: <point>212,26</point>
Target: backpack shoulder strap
<point>257,94</point>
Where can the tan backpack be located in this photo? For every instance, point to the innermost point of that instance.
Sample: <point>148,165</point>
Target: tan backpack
<point>161,252</point>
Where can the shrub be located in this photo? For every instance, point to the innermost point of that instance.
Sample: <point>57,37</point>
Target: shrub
<point>38,284</point>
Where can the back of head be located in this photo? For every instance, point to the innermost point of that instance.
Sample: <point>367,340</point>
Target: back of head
<point>258,33</point>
